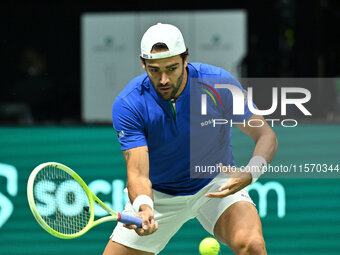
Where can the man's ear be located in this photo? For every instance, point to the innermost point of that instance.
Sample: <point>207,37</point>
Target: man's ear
<point>185,62</point>
<point>143,62</point>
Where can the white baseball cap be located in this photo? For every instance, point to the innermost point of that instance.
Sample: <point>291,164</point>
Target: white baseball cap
<point>162,33</point>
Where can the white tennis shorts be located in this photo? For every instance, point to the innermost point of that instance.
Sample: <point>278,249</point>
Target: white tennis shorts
<point>171,212</point>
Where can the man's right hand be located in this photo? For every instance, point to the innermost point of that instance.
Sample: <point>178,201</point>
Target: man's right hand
<point>149,225</point>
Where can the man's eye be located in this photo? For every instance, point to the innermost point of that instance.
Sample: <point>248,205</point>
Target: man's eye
<point>153,70</point>
<point>172,69</point>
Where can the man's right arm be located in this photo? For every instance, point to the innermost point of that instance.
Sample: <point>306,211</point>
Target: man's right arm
<point>140,187</point>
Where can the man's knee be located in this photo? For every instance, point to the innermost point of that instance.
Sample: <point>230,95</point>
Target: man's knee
<point>256,246</point>
<point>251,245</point>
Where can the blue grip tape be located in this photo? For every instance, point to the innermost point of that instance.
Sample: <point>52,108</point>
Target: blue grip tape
<point>131,220</point>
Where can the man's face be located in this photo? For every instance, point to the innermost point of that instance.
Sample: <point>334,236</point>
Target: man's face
<point>166,75</point>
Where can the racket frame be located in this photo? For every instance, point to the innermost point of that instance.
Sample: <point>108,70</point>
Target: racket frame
<point>90,195</point>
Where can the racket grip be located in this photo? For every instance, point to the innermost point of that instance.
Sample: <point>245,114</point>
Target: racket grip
<point>130,220</point>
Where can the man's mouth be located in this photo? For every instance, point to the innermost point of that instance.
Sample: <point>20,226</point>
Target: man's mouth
<point>165,88</point>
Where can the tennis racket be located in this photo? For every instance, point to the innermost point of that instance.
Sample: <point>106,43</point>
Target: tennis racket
<point>62,203</point>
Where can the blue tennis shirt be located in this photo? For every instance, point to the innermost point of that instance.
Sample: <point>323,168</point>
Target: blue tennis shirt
<point>177,145</point>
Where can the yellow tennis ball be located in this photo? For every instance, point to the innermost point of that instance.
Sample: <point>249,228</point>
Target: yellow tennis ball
<point>209,246</point>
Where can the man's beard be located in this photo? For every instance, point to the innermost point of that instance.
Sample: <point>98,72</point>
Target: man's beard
<point>174,88</point>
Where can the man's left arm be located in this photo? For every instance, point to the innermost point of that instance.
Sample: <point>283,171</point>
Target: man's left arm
<point>266,145</point>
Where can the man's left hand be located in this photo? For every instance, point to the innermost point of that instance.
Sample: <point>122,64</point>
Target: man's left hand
<point>238,180</point>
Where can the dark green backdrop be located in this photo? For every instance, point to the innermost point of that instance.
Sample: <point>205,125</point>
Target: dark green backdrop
<point>302,215</point>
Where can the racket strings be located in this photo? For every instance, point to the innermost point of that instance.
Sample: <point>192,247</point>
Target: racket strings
<point>61,201</point>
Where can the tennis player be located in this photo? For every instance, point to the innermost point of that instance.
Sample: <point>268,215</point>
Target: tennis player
<point>152,119</point>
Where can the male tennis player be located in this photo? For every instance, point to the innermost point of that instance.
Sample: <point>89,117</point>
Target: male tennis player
<point>152,119</point>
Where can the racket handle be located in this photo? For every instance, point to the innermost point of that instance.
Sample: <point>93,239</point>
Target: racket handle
<point>130,220</point>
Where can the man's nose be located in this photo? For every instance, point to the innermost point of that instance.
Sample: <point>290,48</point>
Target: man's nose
<point>164,79</point>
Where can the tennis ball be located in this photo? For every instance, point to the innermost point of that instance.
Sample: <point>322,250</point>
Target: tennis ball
<point>209,246</point>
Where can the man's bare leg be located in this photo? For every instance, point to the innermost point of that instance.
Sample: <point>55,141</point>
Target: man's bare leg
<point>240,228</point>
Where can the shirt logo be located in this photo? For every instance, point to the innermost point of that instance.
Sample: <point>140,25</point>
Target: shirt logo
<point>121,134</point>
